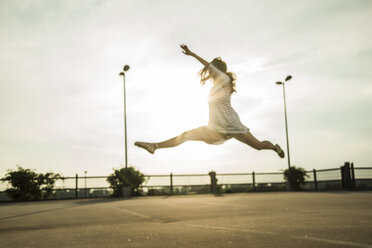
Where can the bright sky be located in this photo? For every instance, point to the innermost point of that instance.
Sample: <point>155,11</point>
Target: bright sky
<point>61,99</point>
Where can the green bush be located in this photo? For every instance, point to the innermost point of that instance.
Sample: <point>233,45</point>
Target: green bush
<point>126,177</point>
<point>295,176</point>
<point>26,184</point>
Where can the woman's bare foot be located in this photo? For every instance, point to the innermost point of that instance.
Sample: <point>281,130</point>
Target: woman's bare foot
<point>150,147</point>
<point>279,151</point>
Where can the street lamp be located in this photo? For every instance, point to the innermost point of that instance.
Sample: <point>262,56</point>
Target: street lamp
<point>122,73</point>
<point>285,114</point>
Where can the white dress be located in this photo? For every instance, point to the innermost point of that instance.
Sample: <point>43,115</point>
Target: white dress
<point>222,117</point>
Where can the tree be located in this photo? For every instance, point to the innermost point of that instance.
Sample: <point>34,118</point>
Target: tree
<point>126,177</point>
<point>295,176</point>
<point>26,184</point>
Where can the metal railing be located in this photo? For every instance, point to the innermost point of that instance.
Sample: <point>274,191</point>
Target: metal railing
<point>167,184</point>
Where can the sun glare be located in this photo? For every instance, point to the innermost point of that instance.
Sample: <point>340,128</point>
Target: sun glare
<point>187,103</point>
<point>174,106</point>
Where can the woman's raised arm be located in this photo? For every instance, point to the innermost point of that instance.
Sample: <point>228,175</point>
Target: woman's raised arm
<point>187,51</point>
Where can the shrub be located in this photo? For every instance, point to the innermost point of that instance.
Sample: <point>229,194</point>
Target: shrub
<point>26,184</point>
<point>295,176</point>
<point>126,177</point>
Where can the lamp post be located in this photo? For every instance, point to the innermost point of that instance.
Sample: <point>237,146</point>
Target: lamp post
<point>85,173</point>
<point>285,114</point>
<point>122,73</point>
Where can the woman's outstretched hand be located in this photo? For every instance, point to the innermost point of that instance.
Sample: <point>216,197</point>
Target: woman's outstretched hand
<point>186,50</point>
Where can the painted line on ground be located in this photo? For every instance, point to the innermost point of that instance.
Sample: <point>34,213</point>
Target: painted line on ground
<point>323,240</point>
<point>135,214</point>
<point>305,238</point>
<point>334,242</point>
<point>142,215</point>
<point>224,204</point>
<point>229,229</point>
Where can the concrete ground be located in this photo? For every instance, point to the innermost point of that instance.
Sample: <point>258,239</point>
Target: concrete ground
<point>286,219</point>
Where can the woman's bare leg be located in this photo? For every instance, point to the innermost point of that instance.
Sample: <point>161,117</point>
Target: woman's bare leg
<point>197,134</point>
<point>250,140</point>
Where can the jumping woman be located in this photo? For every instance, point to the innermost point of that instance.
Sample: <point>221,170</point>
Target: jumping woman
<point>224,122</point>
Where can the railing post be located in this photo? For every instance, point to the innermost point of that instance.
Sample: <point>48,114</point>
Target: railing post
<point>171,184</point>
<point>212,175</point>
<point>345,176</point>
<point>315,180</point>
<point>76,185</point>
<point>342,168</point>
<point>253,182</point>
<point>352,176</point>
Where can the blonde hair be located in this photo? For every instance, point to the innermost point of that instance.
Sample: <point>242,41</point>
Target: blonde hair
<point>220,65</point>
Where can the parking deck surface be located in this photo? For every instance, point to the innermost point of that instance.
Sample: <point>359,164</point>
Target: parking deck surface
<point>280,219</point>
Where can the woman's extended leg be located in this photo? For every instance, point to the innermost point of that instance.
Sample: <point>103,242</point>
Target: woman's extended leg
<point>250,140</point>
<point>197,134</point>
